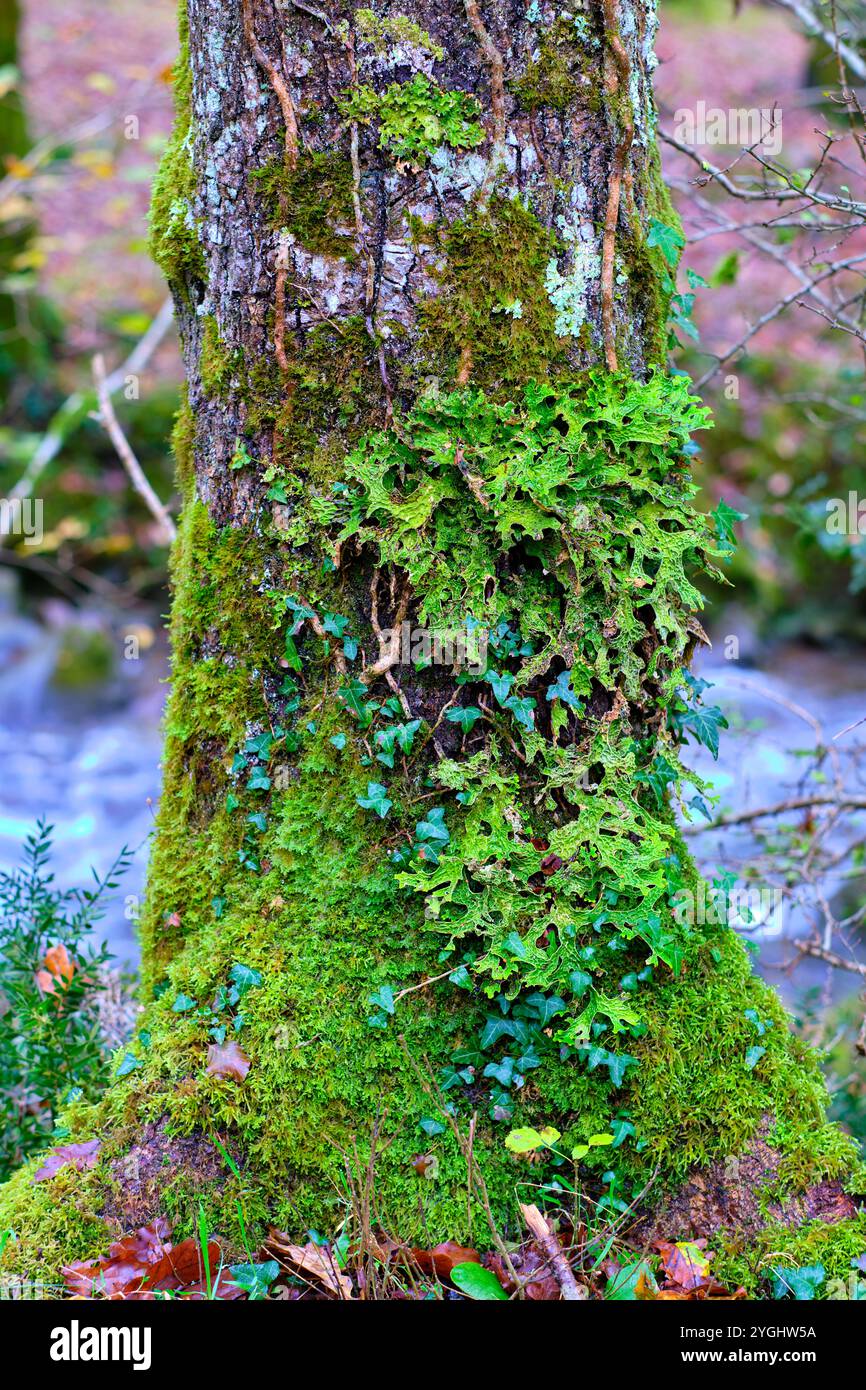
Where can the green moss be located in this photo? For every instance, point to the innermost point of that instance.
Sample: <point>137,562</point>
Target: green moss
<point>835,1247</point>
<point>551,78</point>
<point>219,365</point>
<point>312,201</point>
<point>693,1097</point>
<point>222,646</point>
<point>174,231</point>
<point>51,1223</point>
<point>183,445</point>
<point>493,302</point>
<point>332,381</point>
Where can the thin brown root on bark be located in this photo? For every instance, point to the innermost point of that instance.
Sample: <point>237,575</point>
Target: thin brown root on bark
<point>464,365</point>
<point>620,82</point>
<point>292,137</point>
<point>278,84</point>
<point>495,62</point>
<point>280,306</point>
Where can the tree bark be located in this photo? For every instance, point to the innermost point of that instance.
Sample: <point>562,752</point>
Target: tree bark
<point>422,262</point>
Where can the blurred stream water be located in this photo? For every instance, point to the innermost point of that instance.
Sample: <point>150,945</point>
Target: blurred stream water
<point>88,761</point>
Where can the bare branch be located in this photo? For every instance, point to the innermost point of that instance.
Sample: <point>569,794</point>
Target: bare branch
<point>109,421</point>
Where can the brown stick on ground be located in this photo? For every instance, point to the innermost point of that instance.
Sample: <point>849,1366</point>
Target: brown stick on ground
<point>290,121</point>
<point>572,1292</point>
<point>620,83</point>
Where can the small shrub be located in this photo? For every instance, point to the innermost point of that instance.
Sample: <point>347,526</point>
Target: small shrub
<point>51,1044</point>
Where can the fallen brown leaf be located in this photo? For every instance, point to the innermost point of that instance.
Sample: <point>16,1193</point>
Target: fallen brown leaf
<point>81,1156</point>
<point>442,1258</point>
<point>227,1060</point>
<point>684,1263</point>
<point>311,1261</point>
<point>145,1263</point>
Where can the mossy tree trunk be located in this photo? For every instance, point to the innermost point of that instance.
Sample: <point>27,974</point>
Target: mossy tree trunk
<point>422,262</point>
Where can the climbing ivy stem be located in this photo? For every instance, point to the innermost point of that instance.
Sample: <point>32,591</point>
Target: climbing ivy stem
<point>495,62</point>
<point>278,83</point>
<point>619,84</point>
<point>292,138</point>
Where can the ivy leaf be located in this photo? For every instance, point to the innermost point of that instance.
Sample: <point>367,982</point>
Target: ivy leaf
<point>561,690</point>
<point>335,624</point>
<point>544,1006</point>
<point>622,1129</point>
<point>523,709</point>
<point>376,800</point>
<point>704,723</point>
<point>259,780</point>
<point>182,1004</point>
<point>725,519</point>
<point>617,1063</point>
<point>406,734</point>
<point>339,742</point>
<point>383,999</point>
<point>477,1283</point>
<point>255,1280</point>
<point>494,1029</point>
<point>668,240</point>
<point>658,778</point>
<point>353,696</point>
<point>503,1071</point>
<point>430,833</point>
<point>753,1056</point>
<point>466,716</point>
<point>244,978</point>
<point>129,1063</point>
<point>293,660</point>
<point>802,1283</point>
<point>500,684</point>
<point>514,945</point>
<point>461,978</point>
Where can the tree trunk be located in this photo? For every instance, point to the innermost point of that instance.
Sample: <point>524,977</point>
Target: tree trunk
<point>422,263</point>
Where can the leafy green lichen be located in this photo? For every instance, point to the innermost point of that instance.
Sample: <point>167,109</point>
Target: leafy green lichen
<point>417,117</point>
